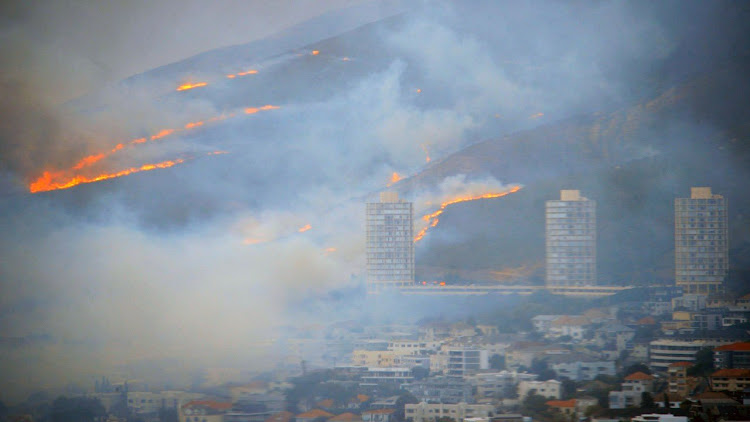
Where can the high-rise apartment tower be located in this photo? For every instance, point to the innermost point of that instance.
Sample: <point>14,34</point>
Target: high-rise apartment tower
<point>390,243</point>
<point>701,240</point>
<point>571,240</point>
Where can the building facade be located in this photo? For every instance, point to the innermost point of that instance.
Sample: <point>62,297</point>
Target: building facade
<point>701,242</point>
<point>571,240</point>
<point>390,243</point>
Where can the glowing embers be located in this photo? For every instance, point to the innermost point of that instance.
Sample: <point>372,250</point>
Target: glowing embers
<point>185,87</point>
<point>395,177</point>
<point>432,219</point>
<point>53,179</point>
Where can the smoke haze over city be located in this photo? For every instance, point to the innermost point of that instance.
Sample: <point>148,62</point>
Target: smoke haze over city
<point>183,184</point>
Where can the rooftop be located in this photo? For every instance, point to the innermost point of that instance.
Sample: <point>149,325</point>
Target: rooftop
<point>732,373</point>
<point>562,403</point>
<point>734,347</point>
<point>315,413</point>
<point>639,376</point>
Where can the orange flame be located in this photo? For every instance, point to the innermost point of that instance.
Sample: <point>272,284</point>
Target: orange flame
<point>395,177</point>
<point>46,182</point>
<point>185,87</point>
<point>427,158</point>
<point>192,125</point>
<point>304,228</point>
<point>253,110</point>
<point>315,52</point>
<point>536,116</point>
<point>330,250</point>
<point>432,219</point>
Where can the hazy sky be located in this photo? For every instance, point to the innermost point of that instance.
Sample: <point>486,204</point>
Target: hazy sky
<point>71,47</point>
<point>200,263</point>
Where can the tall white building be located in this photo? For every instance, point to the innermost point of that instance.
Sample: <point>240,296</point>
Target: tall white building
<point>701,236</point>
<point>390,243</point>
<point>571,240</point>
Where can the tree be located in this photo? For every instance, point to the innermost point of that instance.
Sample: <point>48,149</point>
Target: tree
<point>637,367</point>
<point>704,363</point>
<point>420,372</point>
<point>78,409</point>
<point>497,362</point>
<point>406,398</point>
<point>534,403</point>
<point>647,401</point>
<point>568,389</point>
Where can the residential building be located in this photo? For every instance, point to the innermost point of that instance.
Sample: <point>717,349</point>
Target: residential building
<point>390,243</point>
<point>426,412</point>
<point>631,391</point>
<point>441,390</point>
<point>503,384</point>
<point>580,370</point>
<point>664,352</point>
<point>203,411</point>
<point>378,415</point>
<point>382,376</point>
<point>376,358</point>
<point>549,389</point>
<point>679,382</point>
<point>571,240</point>
<point>730,380</point>
<point>735,355</point>
<point>701,242</point>
<point>465,360</point>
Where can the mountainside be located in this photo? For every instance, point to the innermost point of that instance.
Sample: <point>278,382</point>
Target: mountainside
<point>633,162</point>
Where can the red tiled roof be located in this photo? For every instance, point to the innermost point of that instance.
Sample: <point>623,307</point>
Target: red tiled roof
<point>362,398</point>
<point>315,413</point>
<point>646,321</point>
<point>562,403</point>
<point>208,403</point>
<point>731,373</point>
<point>734,347</point>
<point>638,376</point>
<point>326,403</point>
<point>280,417</point>
<point>346,417</point>
<point>379,411</point>
<point>681,364</point>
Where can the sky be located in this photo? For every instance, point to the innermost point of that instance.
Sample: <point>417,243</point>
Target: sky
<point>260,214</point>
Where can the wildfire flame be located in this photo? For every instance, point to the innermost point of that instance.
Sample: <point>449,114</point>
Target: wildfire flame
<point>330,250</point>
<point>432,219</point>
<point>536,116</point>
<point>62,179</point>
<point>185,87</point>
<point>46,182</point>
<point>304,228</point>
<point>248,72</point>
<point>395,177</point>
<point>315,52</point>
<point>427,158</point>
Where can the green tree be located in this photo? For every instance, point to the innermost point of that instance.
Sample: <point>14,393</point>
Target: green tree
<point>534,403</point>
<point>420,372</point>
<point>568,389</point>
<point>704,363</point>
<point>647,401</point>
<point>497,362</point>
<point>77,409</point>
<point>637,367</point>
<point>406,398</point>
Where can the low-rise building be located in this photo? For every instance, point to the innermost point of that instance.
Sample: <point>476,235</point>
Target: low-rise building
<point>584,370</point>
<point>735,355</point>
<point>378,415</point>
<point>632,390</point>
<point>656,417</point>
<point>730,380</point>
<point>313,415</point>
<point>424,412</point>
<point>549,389</point>
<point>503,384</point>
<point>441,390</point>
<point>374,358</point>
<point>203,411</point>
<point>678,380</point>
<point>385,376</point>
